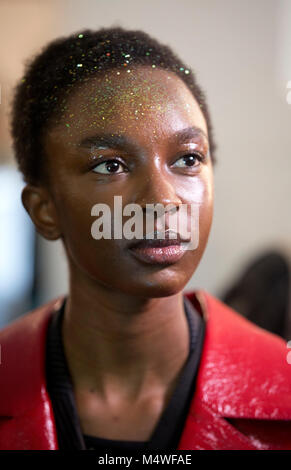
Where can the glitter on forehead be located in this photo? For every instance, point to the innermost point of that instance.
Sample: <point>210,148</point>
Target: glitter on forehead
<point>134,99</point>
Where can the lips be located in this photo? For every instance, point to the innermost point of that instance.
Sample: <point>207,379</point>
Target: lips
<point>155,242</point>
<point>158,251</point>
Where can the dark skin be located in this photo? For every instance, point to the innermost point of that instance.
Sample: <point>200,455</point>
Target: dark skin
<point>125,332</point>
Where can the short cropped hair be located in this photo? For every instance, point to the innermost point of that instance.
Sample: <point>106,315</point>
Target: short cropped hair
<point>49,76</point>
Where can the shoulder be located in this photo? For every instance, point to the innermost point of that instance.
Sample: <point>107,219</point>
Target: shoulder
<point>28,328</point>
<point>234,330</point>
<point>22,358</point>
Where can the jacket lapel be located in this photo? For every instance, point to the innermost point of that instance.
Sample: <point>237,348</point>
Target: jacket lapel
<point>205,430</point>
<point>243,374</point>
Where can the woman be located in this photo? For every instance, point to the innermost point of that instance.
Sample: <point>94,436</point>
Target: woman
<point>127,360</point>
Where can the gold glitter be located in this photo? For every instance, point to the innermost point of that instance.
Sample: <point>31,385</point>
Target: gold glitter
<point>117,96</point>
<point>79,65</point>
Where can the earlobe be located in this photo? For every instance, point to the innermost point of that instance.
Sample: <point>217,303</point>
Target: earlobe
<point>41,210</point>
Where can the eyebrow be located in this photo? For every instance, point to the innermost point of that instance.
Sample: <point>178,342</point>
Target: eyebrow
<point>123,142</point>
<point>188,133</point>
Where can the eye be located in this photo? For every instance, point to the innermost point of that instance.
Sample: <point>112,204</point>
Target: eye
<point>189,160</point>
<point>108,167</point>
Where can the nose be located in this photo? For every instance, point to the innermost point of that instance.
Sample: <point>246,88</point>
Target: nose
<point>156,186</point>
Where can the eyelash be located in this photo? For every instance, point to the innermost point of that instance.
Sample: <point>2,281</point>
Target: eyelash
<point>199,156</point>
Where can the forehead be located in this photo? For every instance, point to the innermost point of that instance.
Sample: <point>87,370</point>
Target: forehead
<point>142,101</point>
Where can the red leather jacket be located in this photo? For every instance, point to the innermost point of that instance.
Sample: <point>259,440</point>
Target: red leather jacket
<point>242,398</point>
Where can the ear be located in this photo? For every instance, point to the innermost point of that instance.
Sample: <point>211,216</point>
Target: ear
<point>41,209</point>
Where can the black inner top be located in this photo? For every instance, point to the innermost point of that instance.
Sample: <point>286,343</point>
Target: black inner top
<point>60,389</point>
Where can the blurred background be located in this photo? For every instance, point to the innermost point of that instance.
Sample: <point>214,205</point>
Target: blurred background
<point>240,51</point>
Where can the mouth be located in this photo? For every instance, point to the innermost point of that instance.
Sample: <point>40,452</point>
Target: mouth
<point>153,250</point>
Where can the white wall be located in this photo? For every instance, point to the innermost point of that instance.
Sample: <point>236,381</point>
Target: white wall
<point>240,51</point>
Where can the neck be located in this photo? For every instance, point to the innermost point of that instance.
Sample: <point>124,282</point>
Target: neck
<point>115,341</point>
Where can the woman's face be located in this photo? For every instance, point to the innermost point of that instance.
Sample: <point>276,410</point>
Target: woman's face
<point>143,121</point>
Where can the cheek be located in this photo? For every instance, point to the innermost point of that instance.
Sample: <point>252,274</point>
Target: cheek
<point>206,205</point>
<point>199,194</point>
<point>202,187</point>
<point>76,215</point>
<point>202,211</point>
<point>95,257</point>
<point>199,191</point>
<point>77,222</point>
<point>206,214</point>
<point>74,205</point>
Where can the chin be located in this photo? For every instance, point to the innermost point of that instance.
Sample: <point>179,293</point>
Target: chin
<point>157,285</point>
